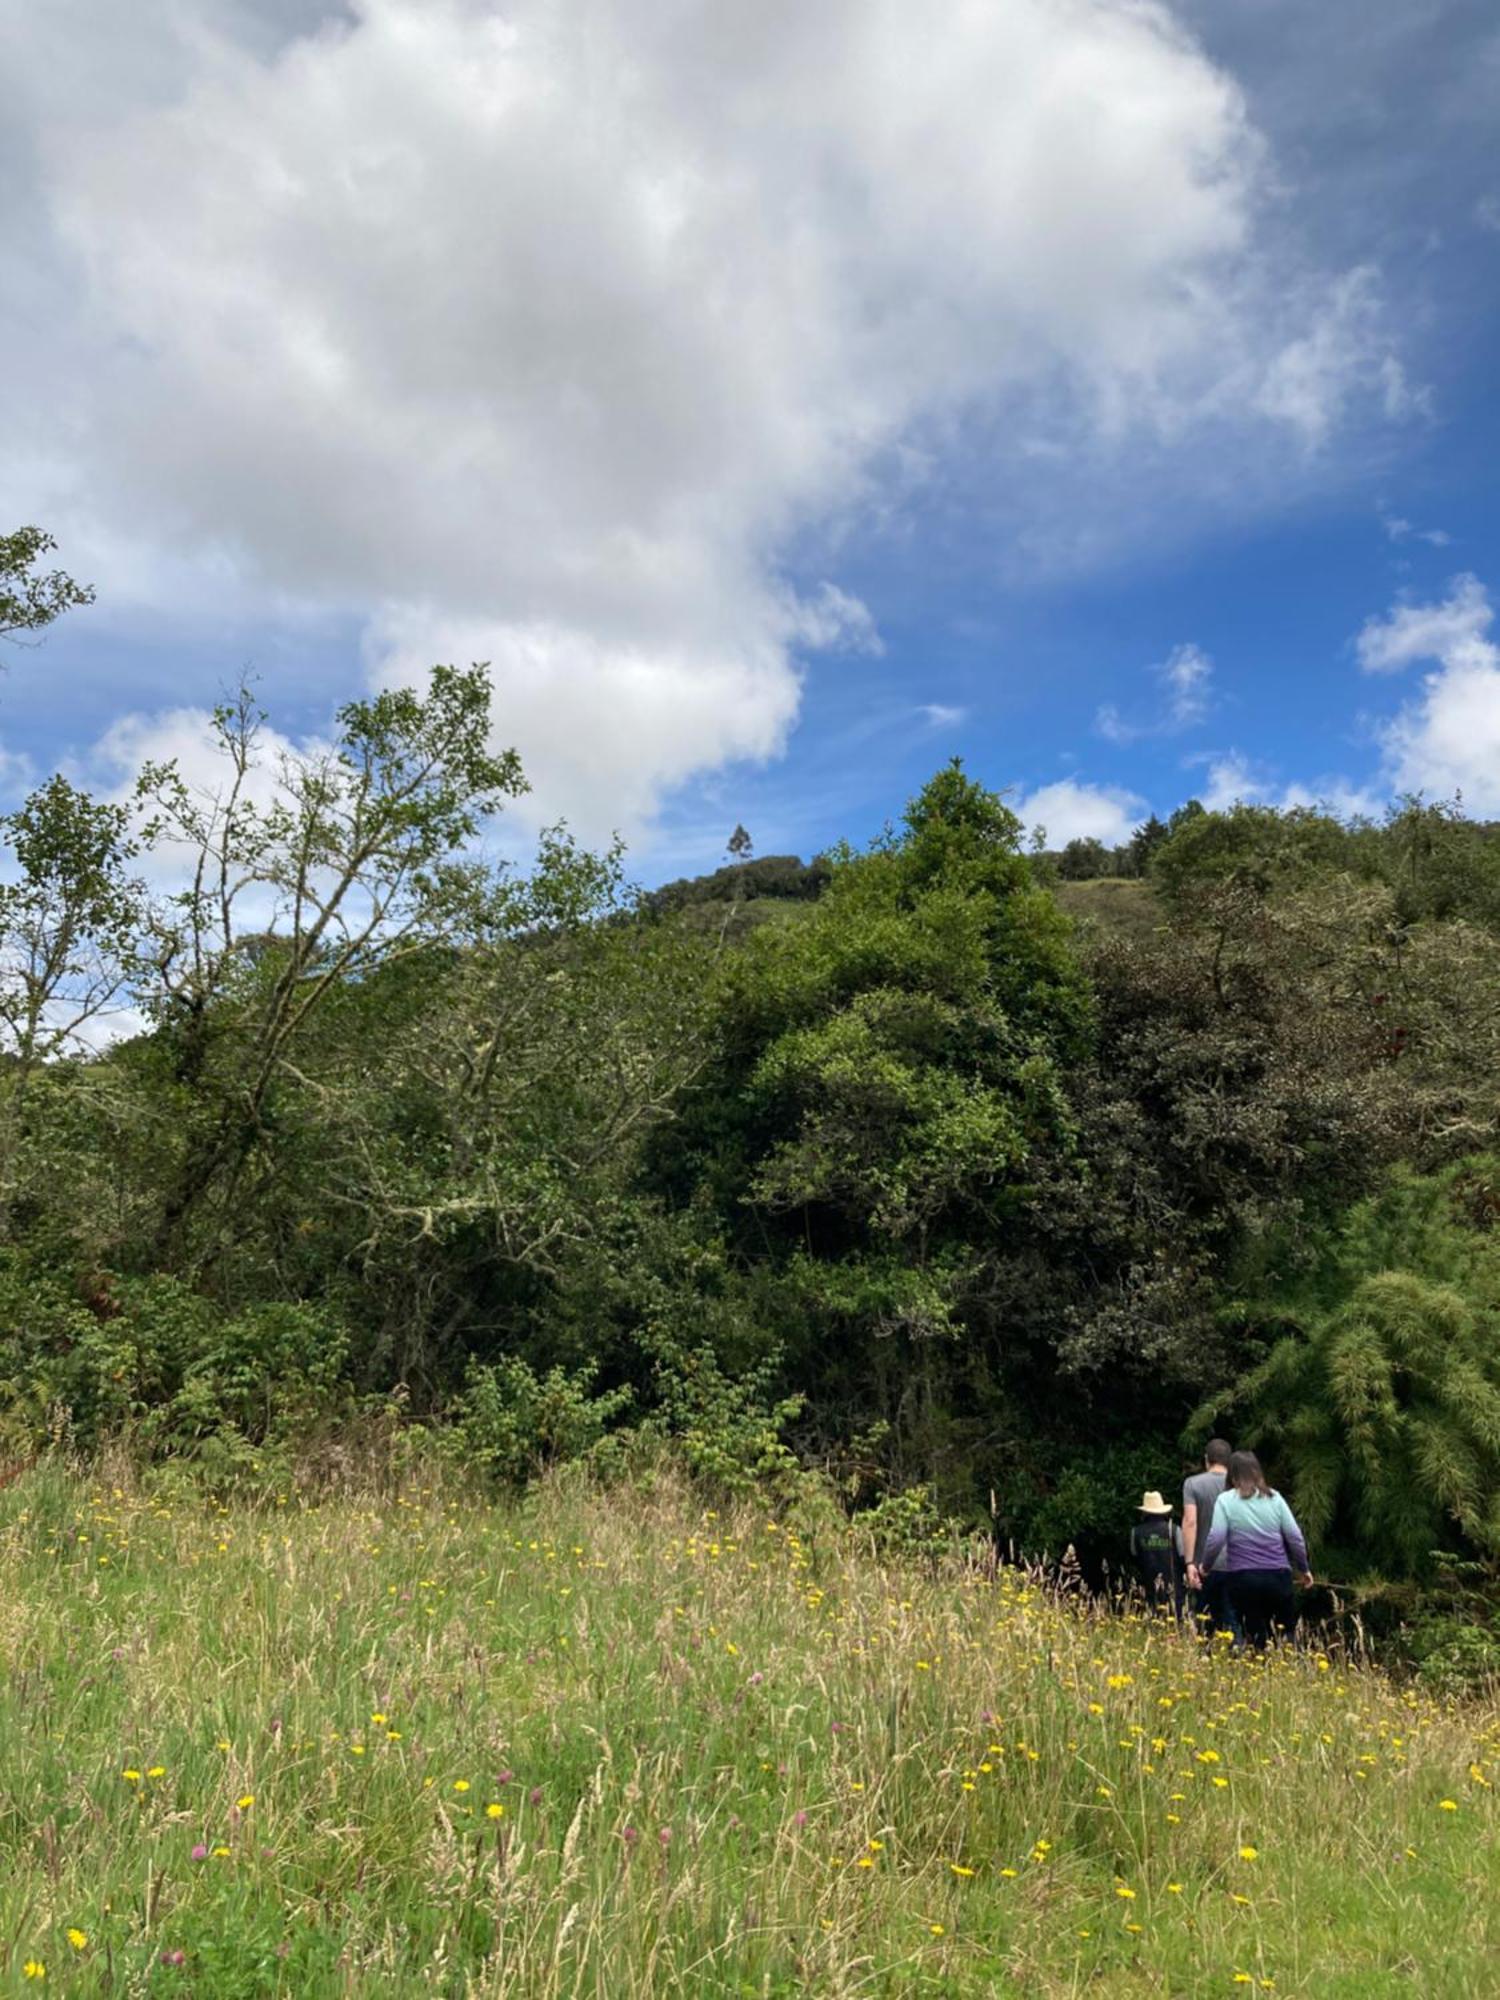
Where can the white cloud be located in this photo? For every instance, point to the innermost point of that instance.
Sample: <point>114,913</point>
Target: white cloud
<point>941,714</point>
<point>1413,632</point>
<point>536,333</point>
<point>1069,809</point>
<point>1231,782</point>
<point>1400,530</point>
<point>1232,779</point>
<point>1187,673</point>
<point>18,774</point>
<point>1311,379</point>
<point>187,739</point>
<point>1446,740</point>
<point>1339,796</point>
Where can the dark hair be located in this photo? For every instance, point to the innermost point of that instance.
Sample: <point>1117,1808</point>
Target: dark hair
<point>1246,1476</point>
<point>1218,1451</point>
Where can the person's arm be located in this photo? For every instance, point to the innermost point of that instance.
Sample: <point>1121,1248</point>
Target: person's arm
<point>1218,1535</point>
<point>1189,1526</point>
<point>1294,1542</point>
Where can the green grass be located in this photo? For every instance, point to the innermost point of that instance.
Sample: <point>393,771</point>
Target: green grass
<point>1115,904</point>
<point>606,1746</point>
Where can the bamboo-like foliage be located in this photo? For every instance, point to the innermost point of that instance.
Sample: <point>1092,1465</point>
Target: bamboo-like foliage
<point>1381,1409</point>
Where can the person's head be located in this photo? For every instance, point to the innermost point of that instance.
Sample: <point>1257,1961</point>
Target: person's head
<point>1217,1454</point>
<point>1245,1475</point>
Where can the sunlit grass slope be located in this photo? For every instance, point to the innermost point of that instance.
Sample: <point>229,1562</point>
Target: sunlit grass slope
<point>609,1746</point>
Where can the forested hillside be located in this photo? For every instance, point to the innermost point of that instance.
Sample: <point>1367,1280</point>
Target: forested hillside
<point>918,1163</point>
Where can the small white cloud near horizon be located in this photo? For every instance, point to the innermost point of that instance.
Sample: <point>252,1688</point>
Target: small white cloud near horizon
<point>941,714</point>
<point>1187,674</point>
<point>1233,779</point>
<point>1445,742</point>
<point>1070,809</point>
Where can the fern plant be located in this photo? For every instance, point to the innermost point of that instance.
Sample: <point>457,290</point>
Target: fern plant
<point>1378,1406</point>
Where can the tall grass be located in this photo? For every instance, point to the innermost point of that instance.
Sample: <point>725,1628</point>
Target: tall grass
<point>614,1747</point>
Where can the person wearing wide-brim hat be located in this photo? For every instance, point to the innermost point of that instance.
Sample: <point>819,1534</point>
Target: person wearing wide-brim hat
<point>1156,1546</point>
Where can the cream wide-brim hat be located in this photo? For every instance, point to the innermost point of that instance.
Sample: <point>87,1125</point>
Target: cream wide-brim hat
<point>1152,1503</point>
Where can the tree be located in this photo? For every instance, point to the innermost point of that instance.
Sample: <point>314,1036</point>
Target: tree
<point>300,882</point>
<point>889,1082</point>
<point>1084,859</point>
<point>31,599</point>
<point>466,1154</point>
<point>71,918</point>
<point>1379,1402</point>
<point>739,844</point>
<point>1144,842</point>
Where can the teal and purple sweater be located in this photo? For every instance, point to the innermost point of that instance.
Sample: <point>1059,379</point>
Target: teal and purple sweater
<point>1259,1533</point>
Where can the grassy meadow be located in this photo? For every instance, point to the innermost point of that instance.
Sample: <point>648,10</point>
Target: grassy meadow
<point>614,1746</point>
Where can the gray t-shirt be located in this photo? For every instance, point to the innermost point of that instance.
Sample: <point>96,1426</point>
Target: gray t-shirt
<point>1201,1491</point>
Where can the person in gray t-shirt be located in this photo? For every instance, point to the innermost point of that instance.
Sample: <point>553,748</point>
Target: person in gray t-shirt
<point>1199,1497</point>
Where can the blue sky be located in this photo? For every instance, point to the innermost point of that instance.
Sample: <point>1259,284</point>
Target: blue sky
<point>783,401</point>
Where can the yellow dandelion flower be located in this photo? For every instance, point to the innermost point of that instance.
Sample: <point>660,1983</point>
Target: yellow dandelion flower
<point>960,1870</point>
<point>1447,1805</point>
<point>131,1776</point>
<point>460,1784</point>
<point>77,1938</point>
<point>34,1969</point>
<point>494,1810</point>
<point>245,1801</point>
<point>1174,1888</point>
<point>937,1930</point>
<point>157,1771</point>
<point>1249,1854</point>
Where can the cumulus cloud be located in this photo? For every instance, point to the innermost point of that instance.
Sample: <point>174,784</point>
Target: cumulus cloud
<point>1233,779</point>
<point>536,333</point>
<point>1413,632</point>
<point>1187,674</point>
<point>1447,739</point>
<point>188,740</point>
<point>1070,809</point>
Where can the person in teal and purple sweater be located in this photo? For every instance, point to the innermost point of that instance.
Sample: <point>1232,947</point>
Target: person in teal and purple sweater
<point>1256,1540</point>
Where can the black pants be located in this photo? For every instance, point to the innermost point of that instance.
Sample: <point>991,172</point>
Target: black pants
<point>1213,1607</point>
<point>1263,1600</point>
